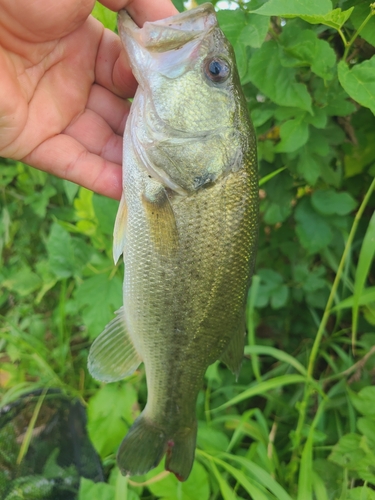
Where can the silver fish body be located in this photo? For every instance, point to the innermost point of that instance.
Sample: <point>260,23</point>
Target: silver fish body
<point>187,228</point>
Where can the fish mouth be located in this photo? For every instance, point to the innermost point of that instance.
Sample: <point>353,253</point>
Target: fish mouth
<point>170,33</point>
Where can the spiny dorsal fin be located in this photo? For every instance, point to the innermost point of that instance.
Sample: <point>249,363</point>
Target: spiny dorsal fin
<point>113,355</point>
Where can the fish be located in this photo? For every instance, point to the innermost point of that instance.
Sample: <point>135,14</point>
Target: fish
<point>187,227</point>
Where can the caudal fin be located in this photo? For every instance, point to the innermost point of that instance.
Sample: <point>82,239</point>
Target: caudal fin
<point>145,444</point>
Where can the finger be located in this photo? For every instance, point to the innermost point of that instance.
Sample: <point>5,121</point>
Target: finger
<point>94,133</point>
<point>143,10</point>
<point>112,68</point>
<point>65,157</point>
<point>110,107</point>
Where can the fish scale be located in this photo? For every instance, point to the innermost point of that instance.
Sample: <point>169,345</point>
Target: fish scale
<point>187,228</point>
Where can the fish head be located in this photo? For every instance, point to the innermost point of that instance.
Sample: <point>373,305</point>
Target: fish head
<point>189,110</point>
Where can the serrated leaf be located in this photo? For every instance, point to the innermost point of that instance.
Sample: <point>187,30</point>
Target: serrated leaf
<point>294,134</point>
<point>359,82</point>
<point>334,19</point>
<point>329,202</point>
<point>275,81</point>
<point>292,8</point>
<point>364,401</point>
<point>304,48</point>
<point>111,411</point>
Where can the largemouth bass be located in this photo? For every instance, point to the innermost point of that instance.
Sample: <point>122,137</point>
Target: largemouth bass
<point>187,228</point>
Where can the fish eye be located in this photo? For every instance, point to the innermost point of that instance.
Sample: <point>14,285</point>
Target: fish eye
<point>216,69</point>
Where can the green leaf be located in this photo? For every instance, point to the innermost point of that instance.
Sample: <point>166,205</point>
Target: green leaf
<point>105,210</point>
<point>366,427</point>
<point>66,255</point>
<point>105,16</point>
<point>99,296</point>
<point>313,231</point>
<point>294,134</point>
<point>275,81</point>
<point>169,488</point>
<point>88,490</point>
<point>308,167</point>
<point>361,11</point>
<point>24,281</point>
<point>359,82</point>
<point>242,30</point>
<point>304,48</point>
<point>364,401</point>
<point>111,411</point>
<point>347,452</point>
<point>292,8</point>
<point>361,493</point>
<point>334,19</point>
<point>329,202</point>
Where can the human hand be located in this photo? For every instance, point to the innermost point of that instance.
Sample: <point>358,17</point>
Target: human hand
<point>64,87</point>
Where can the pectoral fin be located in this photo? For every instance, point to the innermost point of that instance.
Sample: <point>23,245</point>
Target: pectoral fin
<point>160,219</point>
<point>233,355</point>
<point>119,230</point>
<point>112,355</point>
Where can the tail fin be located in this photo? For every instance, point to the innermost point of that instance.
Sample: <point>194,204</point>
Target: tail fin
<point>145,444</point>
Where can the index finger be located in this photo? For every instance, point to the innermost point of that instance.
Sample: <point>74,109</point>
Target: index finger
<point>143,10</point>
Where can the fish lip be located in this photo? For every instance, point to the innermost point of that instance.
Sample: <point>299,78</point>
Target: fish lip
<point>172,32</point>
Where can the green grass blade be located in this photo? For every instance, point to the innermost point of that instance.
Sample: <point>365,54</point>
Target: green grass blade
<point>305,478</point>
<point>366,297</point>
<point>364,263</point>
<point>270,176</point>
<point>29,432</point>
<point>262,476</point>
<point>263,387</point>
<point>277,354</point>
<point>226,490</point>
<point>251,326</point>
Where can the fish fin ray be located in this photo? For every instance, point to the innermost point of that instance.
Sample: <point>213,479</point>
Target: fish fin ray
<point>181,451</point>
<point>112,355</point>
<point>145,444</point>
<point>233,354</point>
<point>142,448</point>
<point>119,232</point>
<point>161,219</point>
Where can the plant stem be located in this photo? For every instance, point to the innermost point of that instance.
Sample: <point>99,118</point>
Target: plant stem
<point>327,312</point>
<point>354,37</point>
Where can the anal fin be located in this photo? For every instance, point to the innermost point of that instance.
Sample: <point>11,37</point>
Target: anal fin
<point>233,354</point>
<point>112,355</point>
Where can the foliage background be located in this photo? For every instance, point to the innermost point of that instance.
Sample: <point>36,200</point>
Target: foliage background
<point>299,423</point>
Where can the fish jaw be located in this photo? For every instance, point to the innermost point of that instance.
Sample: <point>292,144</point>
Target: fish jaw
<point>169,46</point>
